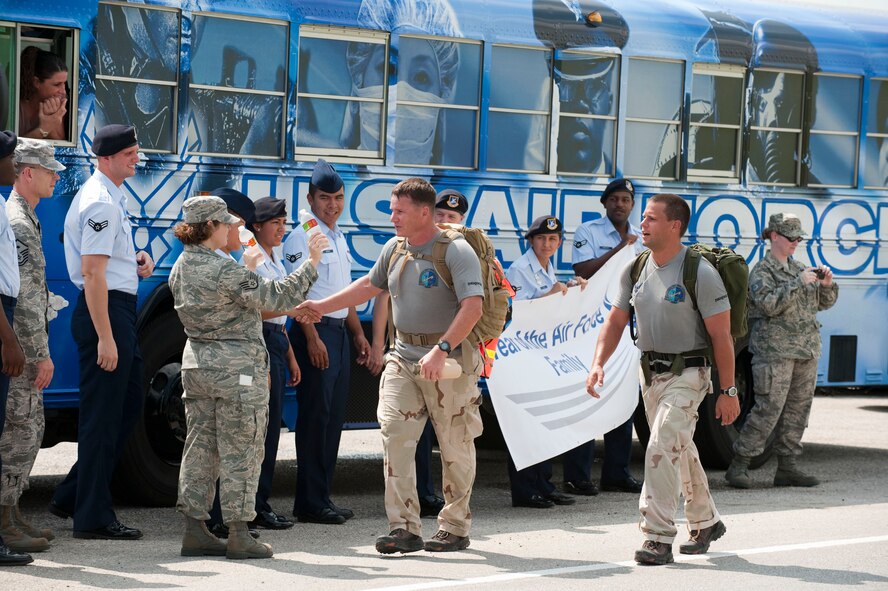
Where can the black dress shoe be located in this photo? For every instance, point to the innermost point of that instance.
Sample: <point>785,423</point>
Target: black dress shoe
<point>347,513</point>
<point>113,531</point>
<point>271,520</point>
<point>581,487</point>
<point>9,557</point>
<point>59,511</point>
<point>430,506</point>
<point>560,498</point>
<point>220,530</point>
<point>629,485</point>
<point>326,515</point>
<point>534,502</point>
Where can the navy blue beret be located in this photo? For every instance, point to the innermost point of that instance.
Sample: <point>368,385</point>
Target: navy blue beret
<point>8,141</point>
<point>113,138</point>
<point>545,224</point>
<point>237,202</point>
<point>325,177</point>
<point>453,200</point>
<point>618,185</point>
<point>269,208</point>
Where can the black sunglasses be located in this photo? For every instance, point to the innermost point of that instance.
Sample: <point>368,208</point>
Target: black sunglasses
<point>796,239</point>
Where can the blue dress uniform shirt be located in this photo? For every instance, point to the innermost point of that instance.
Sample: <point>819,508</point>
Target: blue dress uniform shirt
<point>272,268</point>
<point>596,238</point>
<point>528,278</point>
<point>10,282</point>
<point>97,223</point>
<point>334,270</point>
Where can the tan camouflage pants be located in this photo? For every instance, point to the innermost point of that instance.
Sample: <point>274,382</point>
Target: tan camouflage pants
<point>784,390</point>
<point>671,463</point>
<point>406,401</point>
<point>22,434</point>
<point>226,440</point>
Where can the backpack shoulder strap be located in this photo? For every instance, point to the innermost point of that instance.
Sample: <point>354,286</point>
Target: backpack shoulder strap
<point>638,265</point>
<point>439,255</point>
<point>689,276</point>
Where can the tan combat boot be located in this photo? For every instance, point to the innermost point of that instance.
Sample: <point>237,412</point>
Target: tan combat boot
<point>738,472</point>
<point>241,544</point>
<point>788,474</point>
<point>198,541</point>
<point>25,525</point>
<point>16,538</point>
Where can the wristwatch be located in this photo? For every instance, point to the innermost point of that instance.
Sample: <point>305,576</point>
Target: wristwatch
<point>731,392</point>
<point>444,346</point>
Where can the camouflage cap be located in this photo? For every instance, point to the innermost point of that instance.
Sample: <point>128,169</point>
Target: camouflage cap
<point>36,153</point>
<point>785,224</point>
<point>206,208</point>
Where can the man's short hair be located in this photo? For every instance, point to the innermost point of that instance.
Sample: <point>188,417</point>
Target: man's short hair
<point>420,191</point>
<point>676,209</point>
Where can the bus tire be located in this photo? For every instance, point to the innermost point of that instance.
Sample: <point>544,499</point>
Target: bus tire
<point>148,471</point>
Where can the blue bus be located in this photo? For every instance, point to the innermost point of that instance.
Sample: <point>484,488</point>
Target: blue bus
<point>529,107</point>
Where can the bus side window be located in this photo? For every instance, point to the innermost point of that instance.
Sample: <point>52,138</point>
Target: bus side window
<point>520,108</point>
<point>875,169</point>
<point>653,119</point>
<point>775,127</point>
<point>340,93</point>
<point>835,121</point>
<point>588,88</point>
<point>137,72</point>
<point>7,76</point>
<point>714,129</point>
<point>237,91</point>
<point>47,73</point>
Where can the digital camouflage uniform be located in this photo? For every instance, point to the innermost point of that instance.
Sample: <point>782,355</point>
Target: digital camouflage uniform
<point>784,338</point>
<point>23,431</point>
<point>225,376</point>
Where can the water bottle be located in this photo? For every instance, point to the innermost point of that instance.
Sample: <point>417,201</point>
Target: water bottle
<point>310,225</point>
<point>249,241</point>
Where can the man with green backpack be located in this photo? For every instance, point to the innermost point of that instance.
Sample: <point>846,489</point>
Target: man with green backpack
<point>681,335</point>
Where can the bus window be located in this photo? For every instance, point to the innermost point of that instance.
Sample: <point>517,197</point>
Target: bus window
<point>875,169</point>
<point>715,123</point>
<point>7,75</point>
<point>775,124</point>
<point>445,73</point>
<point>340,93</point>
<point>520,105</point>
<point>588,95</point>
<point>653,118</point>
<point>832,145</point>
<point>137,72</point>
<point>237,90</point>
<point>47,58</point>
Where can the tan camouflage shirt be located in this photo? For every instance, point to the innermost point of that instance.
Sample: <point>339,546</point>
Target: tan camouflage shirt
<point>219,303</point>
<point>783,311</point>
<point>30,310</point>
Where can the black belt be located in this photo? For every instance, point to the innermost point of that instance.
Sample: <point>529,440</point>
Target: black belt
<point>340,322</point>
<point>274,327</point>
<point>8,300</point>
<point>121,295</point>
<point>661,363</point>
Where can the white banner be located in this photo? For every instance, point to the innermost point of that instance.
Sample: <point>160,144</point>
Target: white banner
<point>538,384</point>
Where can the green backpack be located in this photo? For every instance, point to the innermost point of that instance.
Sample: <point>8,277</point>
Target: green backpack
<point>731,268</point>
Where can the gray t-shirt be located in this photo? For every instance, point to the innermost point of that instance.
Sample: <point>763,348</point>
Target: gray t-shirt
<point>421,303</point>
<point>667,321</point>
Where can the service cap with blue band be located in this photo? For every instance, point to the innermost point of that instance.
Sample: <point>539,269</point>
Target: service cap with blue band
<point>206,208</point>
<point>269,208</point>
<point>7,143</point>
<point>452,200</point>
<point>237,202</point>
<point>325,177</point>
<point>113,138</point>
<point>618,185</point>
<point>36,153</point>
<point>545,224</point>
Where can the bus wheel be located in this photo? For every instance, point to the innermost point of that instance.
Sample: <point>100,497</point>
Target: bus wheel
<point>714,441</point>
<point>148,471</point>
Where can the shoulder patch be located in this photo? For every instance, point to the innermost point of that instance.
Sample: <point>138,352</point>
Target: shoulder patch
<point>294,257</point>
<point>580,243</point>
<point>249,284</point>
<point>24,253</point>
<point>97,226</point>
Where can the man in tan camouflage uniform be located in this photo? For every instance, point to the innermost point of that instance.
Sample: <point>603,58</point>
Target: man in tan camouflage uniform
<point>36,175</point>
<point>431,319</point>
<point>784,338</point>
<point>674,337</point>
<point>225,375</point>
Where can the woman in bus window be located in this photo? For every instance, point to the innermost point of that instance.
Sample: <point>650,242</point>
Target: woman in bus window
<point>44,96</point>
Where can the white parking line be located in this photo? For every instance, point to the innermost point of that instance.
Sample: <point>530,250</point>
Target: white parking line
<point>628,563</point>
